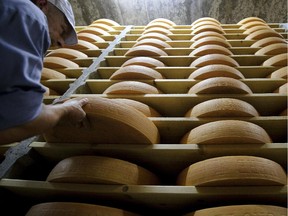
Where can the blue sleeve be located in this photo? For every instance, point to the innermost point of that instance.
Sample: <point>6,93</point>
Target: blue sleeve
<point>24,39</point>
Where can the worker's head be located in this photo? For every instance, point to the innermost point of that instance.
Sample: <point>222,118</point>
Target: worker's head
<point>61,21</point>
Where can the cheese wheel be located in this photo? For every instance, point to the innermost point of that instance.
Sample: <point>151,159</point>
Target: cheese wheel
<point>227,132</point>
<point>220,85</point>
<point>252,24</point>
<point>144,61</point>
<point>142,107</point>
<point>73,209</point>
<point>163,20</point>
<point>210,40</point>
<point>58,62</point>
<point>158,24</point>
<point>136,72</point>
<point>264,33</point>
<point>241,210</point>
<point>157,30</point>
<point>107,22</point>
<point>204,19</point>
<point>145,50</point>
<point>207,34</point>
<point>49,91</point>
<point>67,53</point>
<point>256,28</point>
<point>108,122</point>
<point>250,19</point>
<point>280,73</point>
<point>223,107</point>
<point>233,171</point>
<point>273,49</point>
<point>205,28</point>
<point>203,23</point>
<point>153,42</point>
<point>95,30</point>
<point>282,89</point>
<point>89,37</point>
<point>100,170</point>
<point>83,45</point>
<point>267,41</point>
<point>48,73</point>
<point>154,35</point>
<point>210,49</point>
<point>131,87</point>
<point>277,60</point>
<point>216,70</point>
<point>214,59</point>
<point>102,26</point>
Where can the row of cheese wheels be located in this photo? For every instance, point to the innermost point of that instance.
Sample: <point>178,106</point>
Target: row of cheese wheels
<point>83,209</point>
<point>127,121</point>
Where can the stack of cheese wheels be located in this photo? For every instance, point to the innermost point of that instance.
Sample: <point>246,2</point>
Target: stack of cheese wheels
<point>241,210</point>
<point>233,171</point>
<point>227,132</point>
<point>223,107</point>
<point>206,24</point>
<point>73,209</point>
<point>107,121</point>
<point>101,170</point>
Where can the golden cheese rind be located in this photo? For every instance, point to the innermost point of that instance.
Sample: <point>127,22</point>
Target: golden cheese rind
<point>214,59</point>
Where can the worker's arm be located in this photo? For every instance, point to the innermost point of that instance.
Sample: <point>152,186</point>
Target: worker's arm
<point>49,116</point>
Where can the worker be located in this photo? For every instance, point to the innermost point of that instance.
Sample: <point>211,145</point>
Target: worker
<point>27,29</point>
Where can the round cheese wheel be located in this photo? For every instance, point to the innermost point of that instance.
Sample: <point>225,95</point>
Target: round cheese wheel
<point>153,42</point>
<point>158,25</point>
<point>256,28</point>
<point>100,170</point>
<point>83,45</point>
<point>233,171</point>
<point>145,50</point>
<point>107,22</point>
<point>49,91</point>
<point>67,53</point>
<point>210,49</point>
<point>95,30</point>
<point>250,19</point>
<point>273,49</point>
<point>131,87</point>
<point>154,35</point>
<point>157,30</point>
<point>241,210</point>
<point>227,132</point>
<point>107,122</point>
<point>203,23</point>
<point>216,70</point>
<point>252,24</point>
<point>204,19</point>
<point>280,73</point>
<point>73,209</point>
<point>102,26</point>
<point>214,59</point>
<point>267,41</point>
<point>277,60</point>
<point>207,34</point>
<point>210,40</point>
<point>136,72</point>
<point>204,28</point>
<point>89,37</point>
<point>283,89</point>
<point>58,62</point>
<point>163,20</point>
<point>144,61</point>
<point>223,107</point>
<point>220,85</point>
<point>142,107</point>
<point>264,33</point>
<point>48,73</point>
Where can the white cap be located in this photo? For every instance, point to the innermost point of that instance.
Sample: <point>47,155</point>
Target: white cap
<point>65,7</point>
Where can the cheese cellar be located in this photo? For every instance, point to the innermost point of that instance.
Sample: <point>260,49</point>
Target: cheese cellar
<point>181,120</point>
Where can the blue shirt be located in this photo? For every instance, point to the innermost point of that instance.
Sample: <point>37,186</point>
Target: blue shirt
<point>24,39</point>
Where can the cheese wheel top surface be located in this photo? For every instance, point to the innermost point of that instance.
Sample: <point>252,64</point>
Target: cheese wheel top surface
<point>208,22</point>
<point>95,30</point>
<point>207,34</point>
<point>67,53</point>
<point>144,61</point>
<point>163,20</point>
<point>252,24</point>
<point>264,33</point>
<point>58,62</point>
<point>210,49</point>
<point>83,45</point>
<point>103,26</point>
<point>233,171</point>
<point>157,30</point>
<point>48,73</point>
<point>107,122</point>
<point>255,28</point>
<point>208,27</point>
<point>210,40</point>
<point>277,60</point>
<point>131,87</point>
<point>223,107</point>
<point>89,37</point>
<point>107,22</point>
<point>158,24</point>
<point>214,59</point>
<point>154,35</point>
<point>250,19</point>
<point>204,19</point>
<point>145,50</point>
<point>227,132</point>
<point>267,41</point>
<point>100,170</point>
<point>216,70</point>
<point>273,49</point>
<point>153,42</point>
